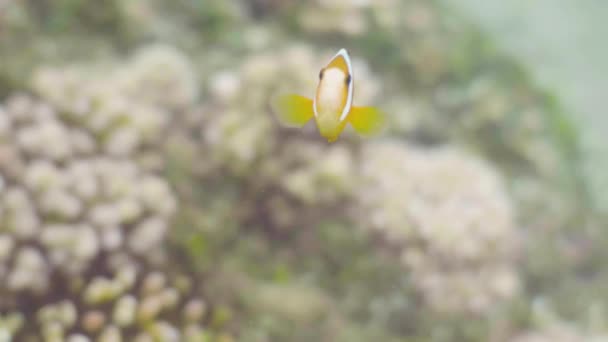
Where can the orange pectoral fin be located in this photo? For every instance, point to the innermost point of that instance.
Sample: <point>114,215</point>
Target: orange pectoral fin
<point>292,109</point>
<point>367,121</point>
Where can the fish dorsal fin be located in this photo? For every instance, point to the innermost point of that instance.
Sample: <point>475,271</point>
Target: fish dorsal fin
<point>339,61</point>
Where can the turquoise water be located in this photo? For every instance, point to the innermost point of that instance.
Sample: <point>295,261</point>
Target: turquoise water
<point>563,44</point>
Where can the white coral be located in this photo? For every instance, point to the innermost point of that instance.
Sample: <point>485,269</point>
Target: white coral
<point>450,213</point>
<point>75,182</point>
<point>81,198</point>
<point>160,74</point>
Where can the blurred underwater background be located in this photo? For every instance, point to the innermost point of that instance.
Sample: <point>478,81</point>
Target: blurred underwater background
<point>147,193</point>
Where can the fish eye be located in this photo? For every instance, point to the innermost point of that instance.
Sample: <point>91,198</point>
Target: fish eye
<point>321,74</point>
<point>348,79</point>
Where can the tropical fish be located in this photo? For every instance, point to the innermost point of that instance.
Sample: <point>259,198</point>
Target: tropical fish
<point>332,106</point>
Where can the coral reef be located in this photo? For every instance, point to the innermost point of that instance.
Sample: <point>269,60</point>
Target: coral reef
<point>451,216</point>
<point>286,173</point>
<point>84,211</point>
<point>238,125</point>
<point>141,202</point>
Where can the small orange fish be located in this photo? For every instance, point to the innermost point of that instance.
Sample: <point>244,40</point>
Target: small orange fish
<point>332,106</point>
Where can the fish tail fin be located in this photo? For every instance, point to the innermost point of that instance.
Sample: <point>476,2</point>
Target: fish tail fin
<point>292,109</point>
<point>367,121</point>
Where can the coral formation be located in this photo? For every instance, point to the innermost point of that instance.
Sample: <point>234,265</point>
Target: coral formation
<point>452,218</point>
<point>238,126</point>
<point>130,187</point>
<point>85,213</point>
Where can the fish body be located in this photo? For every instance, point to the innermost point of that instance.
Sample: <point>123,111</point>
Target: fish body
<point>332,105</point>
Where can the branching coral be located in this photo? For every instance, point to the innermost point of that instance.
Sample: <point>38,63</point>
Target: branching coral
<point>451,217</point>
<point>240,117</point>
<point>84,211</point>
<point>287,173</point>
<point>339,16</point>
